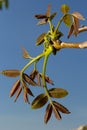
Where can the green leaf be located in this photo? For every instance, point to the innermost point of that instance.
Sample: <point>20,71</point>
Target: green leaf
<point>67,20</point>
<point>6,3</point>
<point>40,39</point>
<point>0,5</point>
<point>65,8</point>
<point>39,101</point>
<point>58,92</point>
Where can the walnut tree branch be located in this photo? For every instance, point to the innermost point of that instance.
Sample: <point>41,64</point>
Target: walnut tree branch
<point>82,29</point>
<point>61,45</point>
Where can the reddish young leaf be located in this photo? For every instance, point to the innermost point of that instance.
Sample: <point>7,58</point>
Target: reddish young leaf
<point>43,16</point>
<point>40,39</point>
<point>56,113</point>
<point>76,26</point>
<point>38,79</point>
<point>15,88</point>
<point>78,15</point>
<point>52,16</point>
<point>40,16</point>
<point>33,74</point>
<point>11,73</point>
<point>48,113</point>
<point>48,11</point>
<point>18,93</point>
<point>43,21</point>
<point>27,89</point>
<point>29,80</point>
<point>61,108</point>
<point>25,53</point>
<point>48,80</point>
<point>25,95</point>
<point>70,31</point>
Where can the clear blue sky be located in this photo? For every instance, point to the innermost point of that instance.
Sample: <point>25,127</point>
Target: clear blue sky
<point>68,69</point>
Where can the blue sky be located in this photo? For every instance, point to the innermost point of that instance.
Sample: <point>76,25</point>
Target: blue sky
<point>68,69</point>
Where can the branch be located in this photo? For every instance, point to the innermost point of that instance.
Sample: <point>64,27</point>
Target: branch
<point>61,45</point>
<point>82,29</point>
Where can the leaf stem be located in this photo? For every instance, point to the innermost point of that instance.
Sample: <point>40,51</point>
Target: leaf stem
<point>49,51</point>
<point>29,63</point>
<point>35,65</point>
<point>51,26</point>
<point>59,22</point>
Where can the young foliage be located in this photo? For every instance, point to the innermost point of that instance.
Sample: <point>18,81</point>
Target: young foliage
<point>39,101</point>
<point>11,73</point>
<point>15,88</point>
<point>48,113</point>
<point>65,8</point>
<point>40,39</point>
<point>51,41</point>
<point>57,92</point>
<point>26,55</point>
<point>5,2</point>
